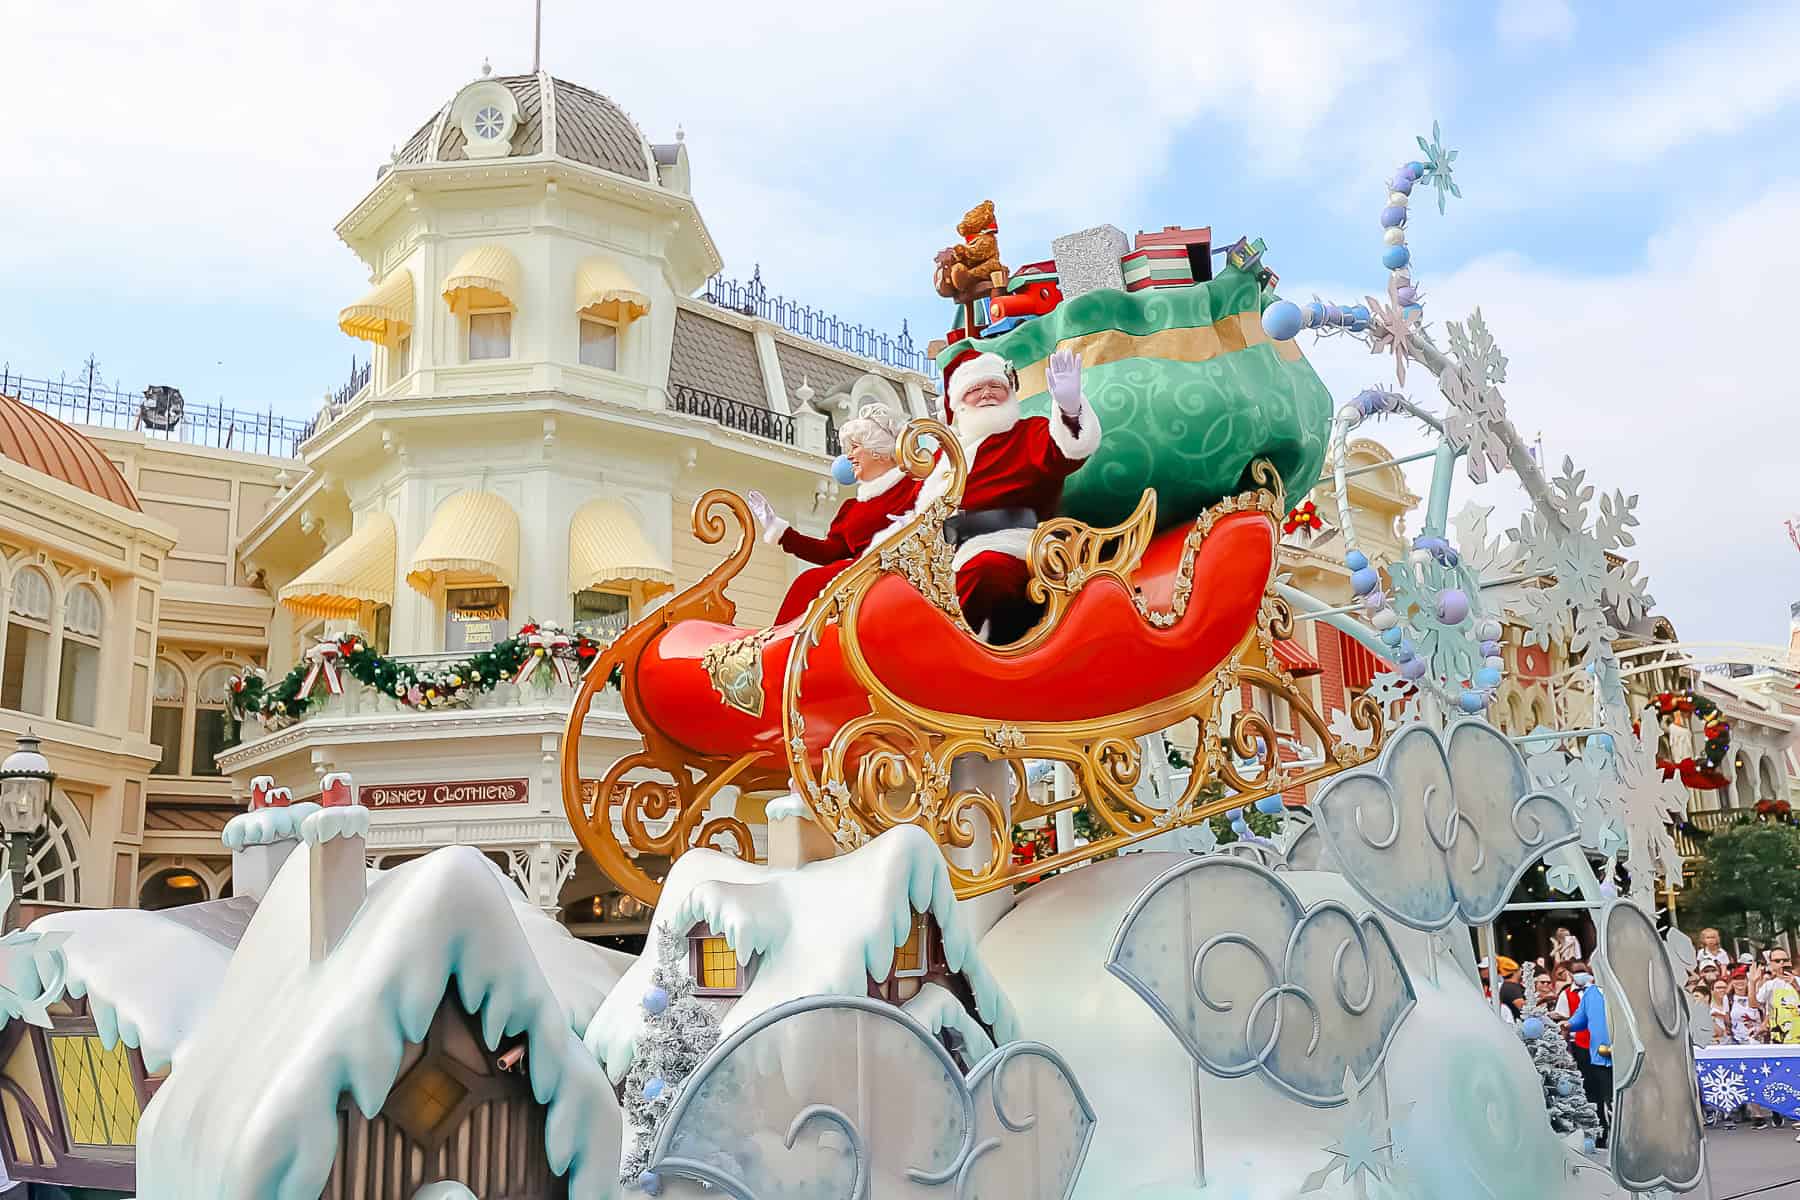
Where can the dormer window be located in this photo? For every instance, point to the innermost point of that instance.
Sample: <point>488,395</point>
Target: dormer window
<point>599,344</point>
<point>487,113</point>
<point>916,960</point>
<point>714,965</point>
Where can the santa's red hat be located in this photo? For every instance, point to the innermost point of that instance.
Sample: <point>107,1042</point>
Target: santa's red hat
<point>983,368</point>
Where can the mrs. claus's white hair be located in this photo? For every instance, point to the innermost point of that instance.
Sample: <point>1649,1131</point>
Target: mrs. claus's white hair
<point>876,428</point>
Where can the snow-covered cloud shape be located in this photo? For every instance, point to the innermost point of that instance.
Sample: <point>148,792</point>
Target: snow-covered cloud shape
<point>1437,833</point>
<point>766,1114</point>
<point>1249,979</point>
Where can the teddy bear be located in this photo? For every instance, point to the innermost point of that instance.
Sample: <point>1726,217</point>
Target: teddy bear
<point>967,271</point>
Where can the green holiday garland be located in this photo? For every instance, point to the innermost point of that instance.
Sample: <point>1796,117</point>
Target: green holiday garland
<point>438,685</point>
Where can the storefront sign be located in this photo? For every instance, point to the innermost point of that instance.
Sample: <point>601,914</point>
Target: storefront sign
<point>435,795</point>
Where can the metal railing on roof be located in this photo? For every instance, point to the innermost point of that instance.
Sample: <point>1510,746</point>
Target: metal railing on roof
<point>753,300</point>
<point>740,415</point>
<point>87,399</point>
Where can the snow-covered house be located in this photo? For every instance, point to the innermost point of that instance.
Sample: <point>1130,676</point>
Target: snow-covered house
<point>363,1046</point>
<point>135,985</point>
<point>882,921</point>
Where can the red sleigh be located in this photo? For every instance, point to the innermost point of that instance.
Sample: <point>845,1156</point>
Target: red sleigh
<point>866,701</point>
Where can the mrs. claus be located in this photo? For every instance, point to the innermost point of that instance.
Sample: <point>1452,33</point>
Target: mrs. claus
<point>883,492</point>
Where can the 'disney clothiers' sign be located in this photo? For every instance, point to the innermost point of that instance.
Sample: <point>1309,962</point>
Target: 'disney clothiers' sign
<point>434,795</point>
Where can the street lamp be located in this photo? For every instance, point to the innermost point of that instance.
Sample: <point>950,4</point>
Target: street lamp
<point>25,779</point>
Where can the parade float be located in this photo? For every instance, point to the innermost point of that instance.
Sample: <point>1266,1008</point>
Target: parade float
<point>893,1004</point>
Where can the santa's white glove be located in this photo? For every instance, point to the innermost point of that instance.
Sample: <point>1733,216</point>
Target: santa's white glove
<point>1063,374</point>
<point>764,512</point>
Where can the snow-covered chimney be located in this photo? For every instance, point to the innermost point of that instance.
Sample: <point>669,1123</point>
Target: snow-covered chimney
<point>795,838</point>
<point>335,836</point>
<point>261,839</point>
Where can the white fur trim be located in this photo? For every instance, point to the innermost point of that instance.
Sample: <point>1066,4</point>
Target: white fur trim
<point>983,368</point>
<point>1076,445</point>
<point>1015,543</point>
<point>871,488</point>
<point>776,530</point>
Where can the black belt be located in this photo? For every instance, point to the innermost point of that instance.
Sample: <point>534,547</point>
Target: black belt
<point>967,525</point>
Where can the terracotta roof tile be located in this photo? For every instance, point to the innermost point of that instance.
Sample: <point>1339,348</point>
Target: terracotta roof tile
<point>43,443</point>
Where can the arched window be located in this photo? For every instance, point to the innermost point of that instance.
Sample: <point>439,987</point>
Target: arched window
<point>168,709</point>
<point>52,867</point>
<point>171,888</point>
<point>209,718</point>
<point>23,673</point>
<point>79,684</point>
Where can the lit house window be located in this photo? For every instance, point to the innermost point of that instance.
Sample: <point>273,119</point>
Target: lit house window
<point>78,686</point>
<point>912,956</point>
<point>27,660</point>
<point>490,335</point>
<point>599,344</point>
<point>168,707</point>
<point>209,718</point>
<point>714,965</point>
<point>98,1089</point>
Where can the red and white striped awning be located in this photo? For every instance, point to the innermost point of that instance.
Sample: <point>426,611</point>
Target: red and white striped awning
<point>1293,656</point>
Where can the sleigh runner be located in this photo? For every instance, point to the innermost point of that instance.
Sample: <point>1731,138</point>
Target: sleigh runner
<point>867,700</point>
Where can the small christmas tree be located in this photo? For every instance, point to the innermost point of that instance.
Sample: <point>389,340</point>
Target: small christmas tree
<point>1568,1105</point>
<point>679,1029</point>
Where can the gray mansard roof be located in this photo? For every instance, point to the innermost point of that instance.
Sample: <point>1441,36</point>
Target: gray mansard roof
<point>587,128</point>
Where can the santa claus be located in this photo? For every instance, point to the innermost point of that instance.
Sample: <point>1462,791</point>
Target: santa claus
<point>1017,466</point>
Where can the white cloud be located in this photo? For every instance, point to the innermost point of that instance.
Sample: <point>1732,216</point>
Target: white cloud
<point>201,147</point>
<point>1531,22</point>
<point>1735,70</point>
<point>1671,380</point>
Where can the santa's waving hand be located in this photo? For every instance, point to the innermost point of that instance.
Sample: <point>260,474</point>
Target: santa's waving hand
<point>1016,467</point>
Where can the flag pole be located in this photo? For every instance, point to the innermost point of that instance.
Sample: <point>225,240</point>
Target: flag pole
<point>537,37</point>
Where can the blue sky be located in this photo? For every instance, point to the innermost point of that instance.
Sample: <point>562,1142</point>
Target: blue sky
<point>1631,225</point>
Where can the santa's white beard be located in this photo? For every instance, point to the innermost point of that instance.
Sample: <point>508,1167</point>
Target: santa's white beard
<point>973,424</point>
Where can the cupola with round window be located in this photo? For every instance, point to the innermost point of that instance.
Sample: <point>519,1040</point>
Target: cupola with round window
<point>487,112</point>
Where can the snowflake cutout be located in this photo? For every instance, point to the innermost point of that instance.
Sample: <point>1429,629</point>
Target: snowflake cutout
<point>1365,1148</point>
<point>1584,585</point>
<point>1645,799</point>
<point>1393,328</point>
<point>1438,171</point>
<point>1474,346</point>
<point>1344,730</point>
<point>1477,418</point>
<point>1452,652</point>
<point>1389,689</point>
<point>1723,1089</point>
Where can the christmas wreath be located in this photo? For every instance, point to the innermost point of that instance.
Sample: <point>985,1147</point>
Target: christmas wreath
<point>1702,772</point>
<point>533,651</point>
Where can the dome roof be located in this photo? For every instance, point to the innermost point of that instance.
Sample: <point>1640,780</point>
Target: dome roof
<point>576,123</point>
<point>43,443</point>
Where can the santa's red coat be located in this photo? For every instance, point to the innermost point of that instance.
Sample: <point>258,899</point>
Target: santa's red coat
<point>1023,466</point>
<point>857,524</point>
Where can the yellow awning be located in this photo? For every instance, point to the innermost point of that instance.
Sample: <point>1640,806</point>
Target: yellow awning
<point>485,277</point>
<point>385,315</point>
<point>602,289</point>
<point>606,546</point>
<point>358,570</point>
<point>473,532</point>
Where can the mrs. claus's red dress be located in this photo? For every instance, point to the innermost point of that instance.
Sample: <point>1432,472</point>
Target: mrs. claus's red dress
<point>858,523</point>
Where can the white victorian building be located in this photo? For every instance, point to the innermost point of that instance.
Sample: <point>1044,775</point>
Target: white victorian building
<point>546,400</point>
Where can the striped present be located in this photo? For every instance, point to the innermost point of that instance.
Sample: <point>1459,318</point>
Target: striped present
<point>1157,266</point>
